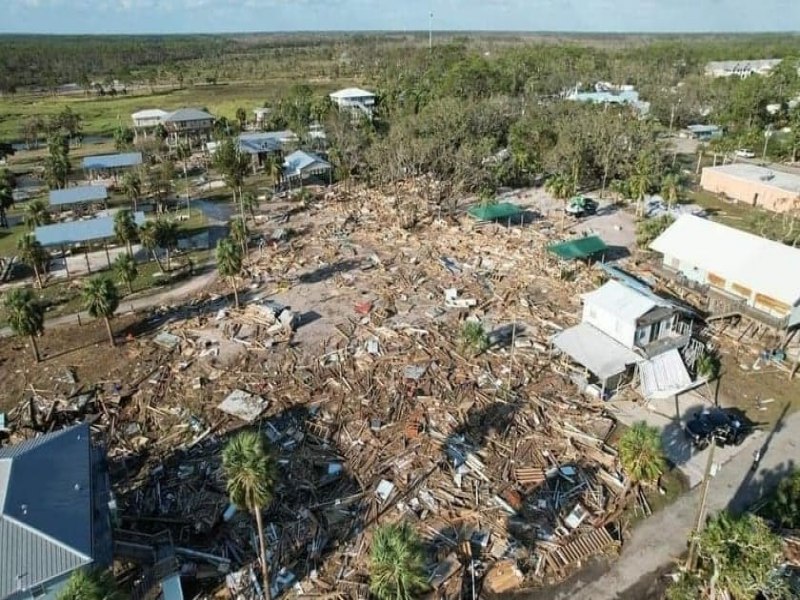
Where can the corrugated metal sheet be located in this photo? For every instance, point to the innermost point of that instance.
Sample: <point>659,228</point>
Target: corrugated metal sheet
<point>45,521</point>
<point>75,232</point>
<point>620,300</point>
<point>764,266</point>
<point>300,161</point>
<point>583,247</point>
<point>76,195</point>
<point>350,93</point>
<point>112,161</point>
<point>187,114</point>
<point>590,347</point>
<point>664,375</point>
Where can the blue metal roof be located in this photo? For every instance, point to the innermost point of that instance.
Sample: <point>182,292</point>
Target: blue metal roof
<point>46,510</point>
<point>76,195</point>
<point>74,232</point>
<point>113,161</point>
<point>299,161</point>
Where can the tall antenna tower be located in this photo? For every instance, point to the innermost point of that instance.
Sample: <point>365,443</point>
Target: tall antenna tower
<point>430,31</point>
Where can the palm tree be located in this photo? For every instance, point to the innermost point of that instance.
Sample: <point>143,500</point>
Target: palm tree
<point>125,268</point>
<point>275,170</point>
<point>6,195</point>
<point>101,298</point>
<point>25,316</point>
<point>125,228</point>
<point>239,233</point>
<point>241,116</point>
<point>33,254</point>
<point>397,563</point>
<point>671,188</point>
<point>148,235</point>
<point>641,453</point>
<point>132,187</point>
<point>562,187</point>
<point>250,472</point>
<point>90,585</point>
<point>167,237</point>
<point>250,203</point>
<point>229,263</point>
<point>36,215</point>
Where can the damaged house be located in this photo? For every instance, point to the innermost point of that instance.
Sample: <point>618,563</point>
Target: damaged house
<point>624,331</point>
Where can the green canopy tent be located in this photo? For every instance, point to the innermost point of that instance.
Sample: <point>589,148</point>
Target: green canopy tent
<point>579,248</point>
<point>494,212</point>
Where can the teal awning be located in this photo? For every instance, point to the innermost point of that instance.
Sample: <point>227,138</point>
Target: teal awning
<point>584,247</point>
<point>492,212</point>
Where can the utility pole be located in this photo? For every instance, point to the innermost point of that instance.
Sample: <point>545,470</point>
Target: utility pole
<point>701,510</point>
<point>430,31</point>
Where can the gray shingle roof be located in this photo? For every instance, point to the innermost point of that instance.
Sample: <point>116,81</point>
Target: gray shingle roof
<point>46,511</point>
<point>187,114</point>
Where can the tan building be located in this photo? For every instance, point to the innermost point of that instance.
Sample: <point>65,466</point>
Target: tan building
<point>757,186</point>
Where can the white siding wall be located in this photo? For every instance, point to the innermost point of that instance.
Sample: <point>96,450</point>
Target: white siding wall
<point>609,324</point>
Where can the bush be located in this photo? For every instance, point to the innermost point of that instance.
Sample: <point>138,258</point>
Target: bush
<point>474,337</point>
<point>784,507</point>
<point>708,365</point>
<point>649,229</point>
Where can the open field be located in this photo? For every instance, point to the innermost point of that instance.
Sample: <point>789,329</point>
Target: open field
<point>102,115</point>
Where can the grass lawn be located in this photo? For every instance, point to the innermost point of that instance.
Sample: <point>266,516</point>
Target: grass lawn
<point>102,115</point>
<point>9,238</point>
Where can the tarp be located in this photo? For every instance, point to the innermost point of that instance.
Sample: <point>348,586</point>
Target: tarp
<point>590,347</point>
<point>492,212</point>
<point>583,247</point>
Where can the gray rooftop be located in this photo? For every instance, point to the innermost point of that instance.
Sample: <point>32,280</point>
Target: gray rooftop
<point>762,175</point>
<point>45,508</point>
<point>187,114</point>
<point>266,141</point>
<point>113,161</point>
<point>77,195</point>
<point>74,232</point>
<point>300,160</point>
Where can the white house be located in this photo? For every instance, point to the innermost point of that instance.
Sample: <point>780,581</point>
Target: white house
<point>145,121</point>
<point>355,99</point>
<point>622,327</point>
<point>735,270</point>
<point>741,68</point>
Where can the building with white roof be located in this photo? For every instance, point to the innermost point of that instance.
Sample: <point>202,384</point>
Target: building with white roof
<point>773,190</point>
<point>355,99</point>
<point>741,68</point>
<point>756,276</point>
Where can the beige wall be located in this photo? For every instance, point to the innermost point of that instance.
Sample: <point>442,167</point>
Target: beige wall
<point>743,190</point>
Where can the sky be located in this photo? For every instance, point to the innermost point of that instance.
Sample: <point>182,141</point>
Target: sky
<point>210,16</point>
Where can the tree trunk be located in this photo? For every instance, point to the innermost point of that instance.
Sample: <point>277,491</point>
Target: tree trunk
<point>169,261</point>
<point>128,246</point>
<point>235,292</point>
<point>158,262</point>
<point>264,569</point>
<point>110,333</point>
<point>38,276</point>
<point>130,287</point>
<point>35,348</point>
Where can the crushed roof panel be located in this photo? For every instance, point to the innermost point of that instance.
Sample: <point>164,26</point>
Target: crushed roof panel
<point>76,195</point>
<point>618,299</point>
<point>74,232</point>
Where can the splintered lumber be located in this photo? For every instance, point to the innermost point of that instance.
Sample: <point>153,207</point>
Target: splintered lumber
<point>587,544</point>
<point>529,475</point>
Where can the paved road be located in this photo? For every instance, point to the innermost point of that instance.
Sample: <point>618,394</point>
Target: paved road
<point>659,540</point>
<point>176,294</point>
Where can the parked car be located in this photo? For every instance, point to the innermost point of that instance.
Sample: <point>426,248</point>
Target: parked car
<point>581,206</point>
<point>745,153</point>
<point>724,426</point>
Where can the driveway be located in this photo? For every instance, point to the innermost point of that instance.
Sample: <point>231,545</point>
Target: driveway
<point>670,417</point>
<point>656,544</point>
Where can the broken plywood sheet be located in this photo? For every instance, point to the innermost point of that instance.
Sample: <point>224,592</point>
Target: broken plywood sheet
<point>244,405</point>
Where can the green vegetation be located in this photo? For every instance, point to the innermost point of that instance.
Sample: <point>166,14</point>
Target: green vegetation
<point>641,453</point>
<point>784,506</point>
<point>25,315</point>
<point>126,270</point>
<point>101,300</point>
<point>250,472</point>
<point>474,338</point>
<point>229,263</point>
<point>90,585</point>
<point>738,557</point>
<point>708,365</point>
<point>396,563</point>
<point>648,230</point>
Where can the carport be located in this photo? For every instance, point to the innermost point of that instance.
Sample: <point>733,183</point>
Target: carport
<point>78,196</point>
<point>582,248</point>
<point>62,235</point>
